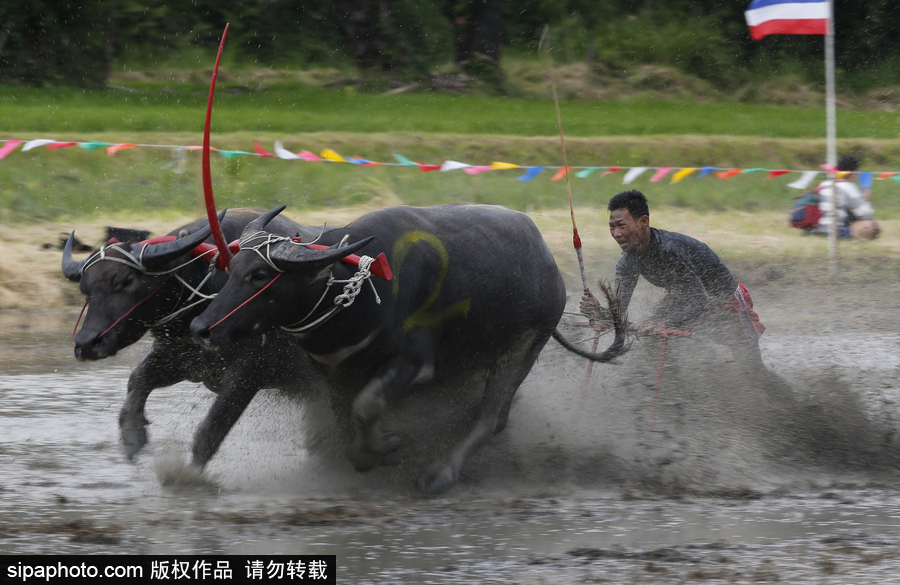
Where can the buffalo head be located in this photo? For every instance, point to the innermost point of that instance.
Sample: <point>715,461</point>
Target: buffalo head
<point>289,279</point>
<point>125,280</point>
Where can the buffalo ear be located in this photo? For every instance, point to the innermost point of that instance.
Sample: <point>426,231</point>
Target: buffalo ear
<point>293,258</point>
<point>71,269</point>
<point>158,256</point>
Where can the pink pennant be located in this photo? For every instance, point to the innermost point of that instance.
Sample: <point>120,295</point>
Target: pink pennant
<point>660,173</point>
<point>477,170</point>
<point>428,168</point>
<point>111,150</point>
<point>308,156</point>
<point>7,148</point>
<point>56,145</point>
<point>829,168</point>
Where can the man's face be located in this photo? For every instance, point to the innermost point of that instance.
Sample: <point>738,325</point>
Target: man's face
<point>631,234</point>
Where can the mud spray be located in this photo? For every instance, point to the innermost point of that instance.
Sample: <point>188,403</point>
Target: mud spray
<point>719,428</point>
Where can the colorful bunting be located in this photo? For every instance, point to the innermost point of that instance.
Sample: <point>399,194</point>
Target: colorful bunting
<point>532,173</point>
<point>9,147</point>
<point>729,173</point>
<point>632,173</point>
<point>660,173</point>
<point>681,174</point>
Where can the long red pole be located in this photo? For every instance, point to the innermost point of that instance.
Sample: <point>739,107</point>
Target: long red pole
<point>218,236</point>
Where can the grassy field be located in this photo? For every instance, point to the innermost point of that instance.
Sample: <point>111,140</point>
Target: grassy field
<point>297,107</point>
<point>43,193</point>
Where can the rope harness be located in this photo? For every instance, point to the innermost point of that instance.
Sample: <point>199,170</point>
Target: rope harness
<point>352,285</point>
<point>137,263</point>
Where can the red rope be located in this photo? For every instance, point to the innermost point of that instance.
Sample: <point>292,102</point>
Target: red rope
<point>119,320</point>
<point>259,292</point>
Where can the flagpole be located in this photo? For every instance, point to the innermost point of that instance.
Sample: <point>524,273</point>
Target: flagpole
<point>831,120</point>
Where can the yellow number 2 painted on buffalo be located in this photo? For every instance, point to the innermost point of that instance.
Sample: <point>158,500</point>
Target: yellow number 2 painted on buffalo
<point>423,317</point>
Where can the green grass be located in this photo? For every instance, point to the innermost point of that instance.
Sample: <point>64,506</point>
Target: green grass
<point>429,128</point>
<point>295,107</point>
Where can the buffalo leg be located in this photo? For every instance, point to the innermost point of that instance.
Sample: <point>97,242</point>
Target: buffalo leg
<point>230,404</point>
<point>372,443</point>
<point>493,412</point>
<point>159,368</point>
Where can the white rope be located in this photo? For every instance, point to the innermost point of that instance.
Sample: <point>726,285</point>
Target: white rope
<point>137,263</point>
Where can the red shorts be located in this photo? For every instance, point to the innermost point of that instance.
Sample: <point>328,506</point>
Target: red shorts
<point>745,316</point>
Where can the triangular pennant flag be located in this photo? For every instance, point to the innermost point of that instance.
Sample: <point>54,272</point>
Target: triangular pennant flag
<point>197,147</point>
<point>283,153</point>
<point>633,174</point>
<point>56,145</point>
<point>405,161</point>
<point>681,174</point>
<point>865,180</point>
<point>363,162</point>
<point>896,177</point>
<point>886,175</point>
<point>705,171</point>
<point>611,170</point>
<point>232,153</point>
<point>561,173</point>
<point>841,174</point>
<point>428,168</point>
<point>503,165</point>
<point>530,174</point>
<point>829,168</point>
<point>92,145</point>
<point>478,170</point>
<point>112,150</point>
<point>452,165</point>
<point>261,151</point>
<point>773,174</point>
<point>332,155</point>
<point>729,173</point>
<point>756,170</point>
<point>309,156</point>
<point>36,143</point>
<point>9,147</point>
<point>660,173</point>
<point>805,179</point>
<point>587,172</point>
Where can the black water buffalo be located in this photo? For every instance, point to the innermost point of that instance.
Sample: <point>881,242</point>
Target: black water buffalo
<point>133,288</point>
<point>475,295</point>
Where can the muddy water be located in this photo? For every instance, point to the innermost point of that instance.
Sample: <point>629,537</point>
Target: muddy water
<point>720,478</point>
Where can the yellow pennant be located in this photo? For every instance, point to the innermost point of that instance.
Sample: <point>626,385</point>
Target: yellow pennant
<point>332,155</point>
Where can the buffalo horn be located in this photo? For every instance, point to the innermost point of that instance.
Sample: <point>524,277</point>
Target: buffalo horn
<point>293,258</point>
<point>157,256</point>
<point>70,268</point>
<point>258,224</point>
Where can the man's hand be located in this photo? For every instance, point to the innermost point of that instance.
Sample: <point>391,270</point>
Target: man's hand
<point>590,307</point>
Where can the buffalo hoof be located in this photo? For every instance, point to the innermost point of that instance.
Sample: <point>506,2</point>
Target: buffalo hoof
<point>365,458</point>
<point>134,437</point>
<point>436,482</point>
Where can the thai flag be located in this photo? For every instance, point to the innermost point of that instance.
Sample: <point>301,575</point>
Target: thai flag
<point>787,17</point>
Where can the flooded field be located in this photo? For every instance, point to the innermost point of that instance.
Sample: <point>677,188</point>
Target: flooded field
<point>792,476</point>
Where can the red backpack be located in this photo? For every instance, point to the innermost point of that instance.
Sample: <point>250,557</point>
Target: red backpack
<point>805,214</point>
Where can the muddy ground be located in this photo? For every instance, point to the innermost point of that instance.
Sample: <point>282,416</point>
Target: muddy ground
<point>787,475</point>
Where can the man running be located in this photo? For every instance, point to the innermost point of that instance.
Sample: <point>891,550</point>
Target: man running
<point>701,290</point>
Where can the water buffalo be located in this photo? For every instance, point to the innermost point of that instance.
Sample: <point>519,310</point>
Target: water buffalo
<point>133,288</point>
<point>475,295</point>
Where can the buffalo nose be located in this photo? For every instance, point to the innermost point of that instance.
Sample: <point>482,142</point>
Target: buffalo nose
<point>200,333</point>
